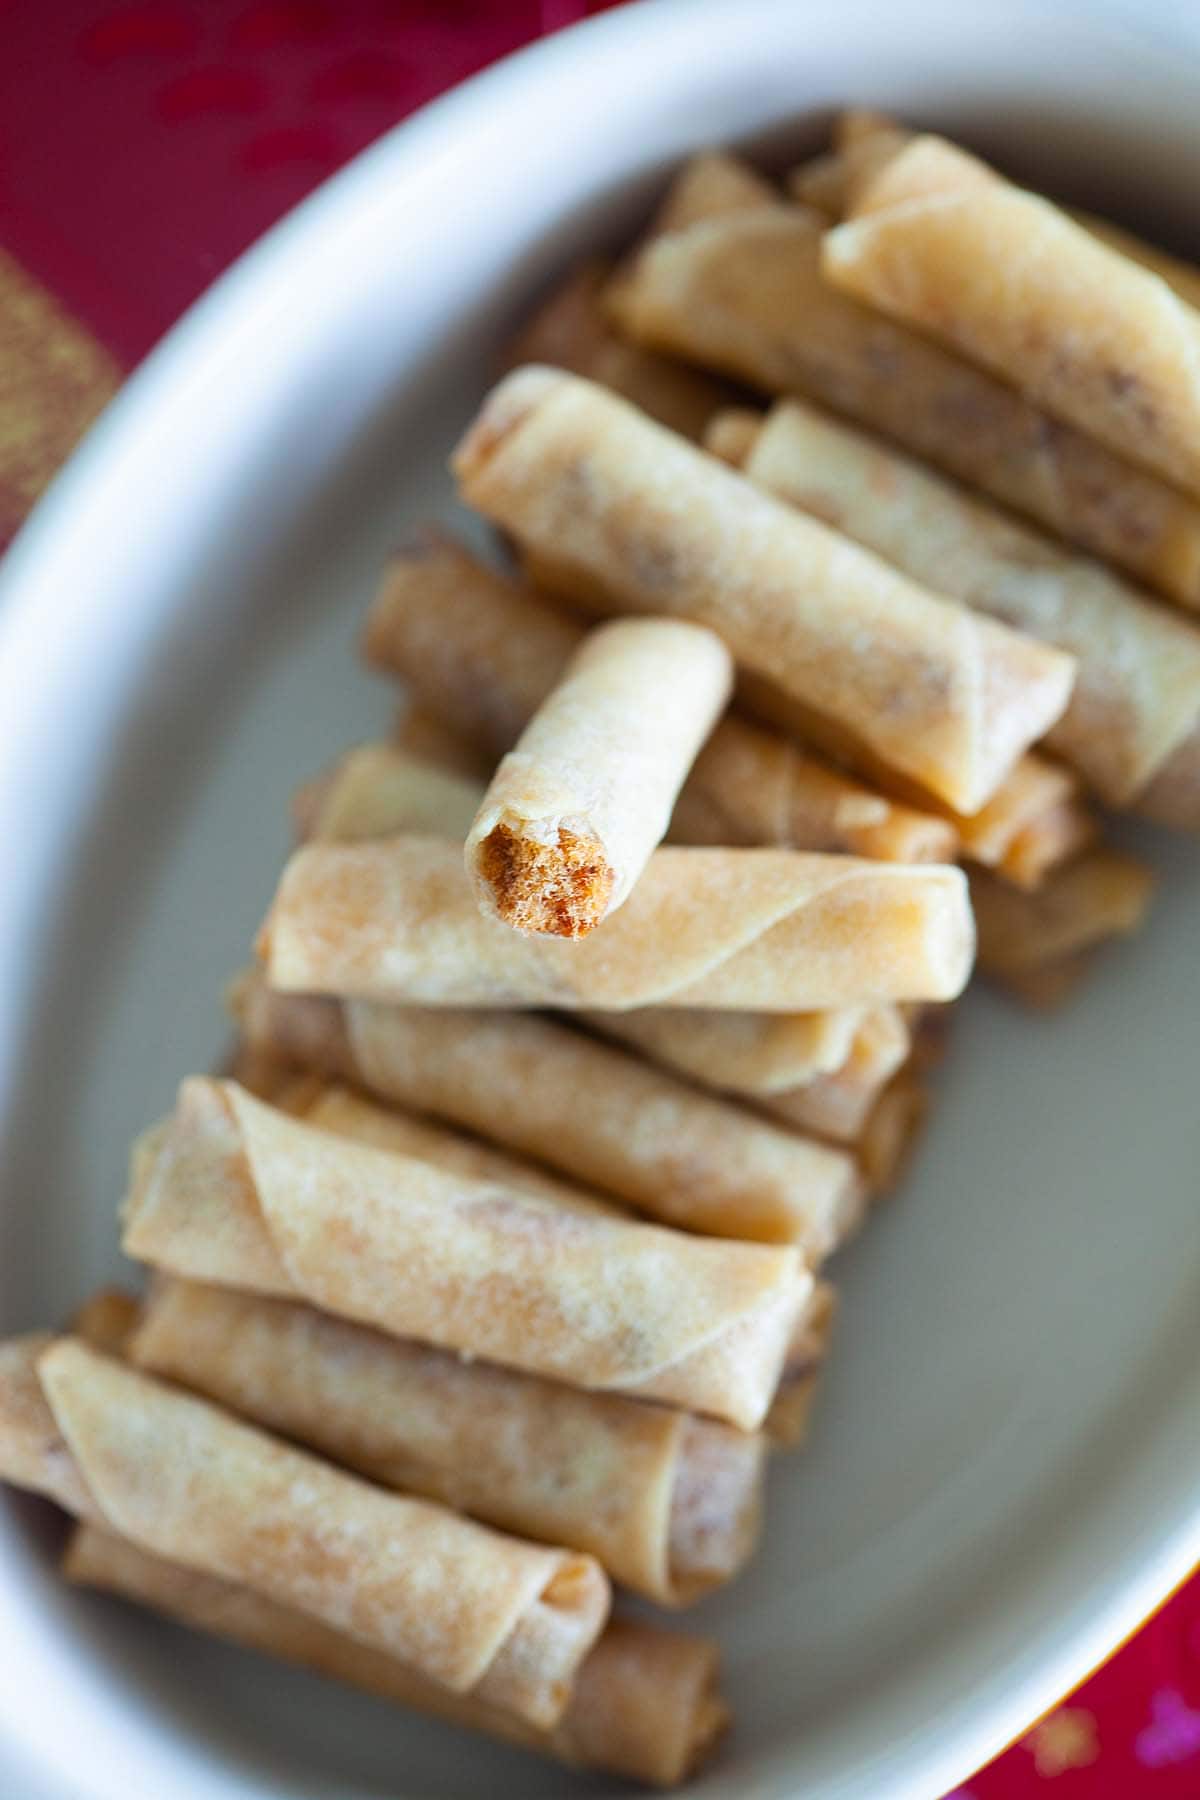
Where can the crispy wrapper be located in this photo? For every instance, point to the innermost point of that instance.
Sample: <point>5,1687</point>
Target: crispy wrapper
<point>699,1163</point>
<point>1137,690</point>
<point>892,1131</point>
<point>107,1319</point>
<point>1007,279</point>
<point>745,295</point>
<point>752,1054</point>
<point>709,186</point>
<point>645,1703</point>
<point>239,1193</point>
<point>575,809</point>
<point>748,786</point>
<point>1040,944</point>
<point>707,1166</point>
<point>744,930</point>
<point>571,330</point>
<point>839,1104</point>
<point>464,1605</point>
<point>612,509</point>
<point>375,783</point>
<point>669,1504</point>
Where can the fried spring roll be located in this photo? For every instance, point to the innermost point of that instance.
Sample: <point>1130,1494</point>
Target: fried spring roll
<point>1037,821</point>
<point>709,186</point>
<point>939,240</point>
<point>239,1193</point>
<point>668,1503</point>
<point>451,627</point>
<point>574,811</point>
<point>743,930</point>
<point>745,295</point>
<point>839,1104</point>
<point>609,507</point>
<point>756,1054</point>
<point>107,1320</point>
<point>1041,944</point>
<point>461,1604</point>
<point>375,783</point>
<point>706,1166</point>
<point>645,1703</point>
<point>571,330</point>
<point>1136,702</point>
<point>892,1130</point>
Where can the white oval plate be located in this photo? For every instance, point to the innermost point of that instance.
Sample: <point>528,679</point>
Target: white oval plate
<point>1005,1472</point>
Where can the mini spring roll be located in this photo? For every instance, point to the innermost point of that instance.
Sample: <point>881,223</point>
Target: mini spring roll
<point>668,1503</point>
<point>1136,701</point>
<point>744,930</point>
<point>745,295</point>
<point>892,1131</point>
<point>645,1702</point>
<point>706,1165</point>
<point>574,811</point>
<point>236,1192</point>
<point>450,626</point>
<point>571,330</point>
<point>610,508</point>
<point>1038,820</point>
<point>839,1104</point>
<point>106,1320</point>
<point>939,240</point>
<point>461,1604</point>
<point>755,1054</point>
<point>375,783</point>
<point>1040,945</point>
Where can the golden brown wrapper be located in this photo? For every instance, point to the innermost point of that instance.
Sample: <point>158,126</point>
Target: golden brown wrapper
<point>1136,700</point>
<point>698,1162</point>
<point>745,295</point>
<point>1010,281</point>
<point>571,330</point>
<point>1040,944</point>
<point>462,1604</point>
<point>668,1503</point>
<point>838,1105</point>
<point>645,1703</point>
<point>745,930</point>
<point>107,1319</point>
<point>577,806</point>
<point>611,509</point>
<point>748,786</point>
<point>239,1193</point>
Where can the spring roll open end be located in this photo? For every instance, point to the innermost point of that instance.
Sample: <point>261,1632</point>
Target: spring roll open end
<point>557,884</point>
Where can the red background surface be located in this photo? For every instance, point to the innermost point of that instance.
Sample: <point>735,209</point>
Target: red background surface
<point>141,149</point>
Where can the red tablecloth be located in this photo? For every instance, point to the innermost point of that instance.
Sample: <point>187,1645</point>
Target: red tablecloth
<point>141,148</point>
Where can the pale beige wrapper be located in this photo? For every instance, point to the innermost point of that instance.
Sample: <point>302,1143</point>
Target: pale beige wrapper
<point>339,1110</point>
<point>1010,281</point>
<point>575,809</point>
<point>741,930</point>
<point>1136,700</point>
<point>1103,894</point>
<point>610,508</point>
<point>668,1503</point>
<point>687,1158</point>
<point>746,296</point>
<point>373,785</point>
<point>838,1105</point>
<point>645,1702</point>
<point>240,1194</point>
<point>463,1605</point>
<point>571,330</point>
<point>450,626</point>
<point>892,1131</point>
<point>708,186</point>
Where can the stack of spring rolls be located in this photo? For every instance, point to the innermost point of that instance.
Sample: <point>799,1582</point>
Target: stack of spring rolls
<point>596,1006</point>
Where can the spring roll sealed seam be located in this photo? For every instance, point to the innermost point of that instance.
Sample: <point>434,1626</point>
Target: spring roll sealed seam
<point>668,1504</point>
<point>615,508</point>
<point>692,1160</point>
<point>744,930</point>
<point>1137,692</point>
<point>645,1703</point>
<point>1096,338</point>
<point>247,1197</point>
<point>466,1606</point>
<point>575,809</point>
<point>746,295</point>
